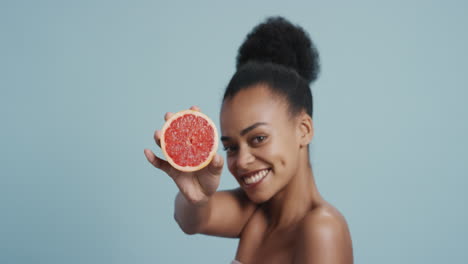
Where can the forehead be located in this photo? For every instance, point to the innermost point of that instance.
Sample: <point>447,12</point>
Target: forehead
<point>251,105</point>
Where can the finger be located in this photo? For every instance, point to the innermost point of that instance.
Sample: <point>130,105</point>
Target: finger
<point>158,163</point>
<point>157,137</point>
<point>152,158</point>
<point>195,108</point>
<point>168,115</point>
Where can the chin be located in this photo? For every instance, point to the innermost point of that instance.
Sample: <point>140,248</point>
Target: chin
<point>258,198</point>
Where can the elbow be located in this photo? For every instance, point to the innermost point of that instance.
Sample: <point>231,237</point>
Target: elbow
<point>188,230</point>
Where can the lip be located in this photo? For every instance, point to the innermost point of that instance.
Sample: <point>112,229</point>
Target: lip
<point>250,186</point>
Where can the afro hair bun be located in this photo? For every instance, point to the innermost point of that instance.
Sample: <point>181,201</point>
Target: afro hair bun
<point>278,41</point>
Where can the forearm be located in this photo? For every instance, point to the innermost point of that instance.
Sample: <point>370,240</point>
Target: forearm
<point>191,216</point>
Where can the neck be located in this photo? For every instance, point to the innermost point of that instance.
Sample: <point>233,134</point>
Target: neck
<point>292,203</point>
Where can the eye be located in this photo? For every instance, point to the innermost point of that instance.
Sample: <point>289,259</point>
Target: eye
<point>258,139</point>
<point>230,149</point>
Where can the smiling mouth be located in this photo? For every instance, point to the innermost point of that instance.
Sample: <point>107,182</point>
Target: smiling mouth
<point>255,177</point>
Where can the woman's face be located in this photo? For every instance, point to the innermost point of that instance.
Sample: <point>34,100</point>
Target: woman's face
<point>261,141</point>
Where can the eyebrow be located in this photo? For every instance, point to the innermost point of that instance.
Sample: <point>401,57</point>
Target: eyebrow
<point>246,130</point>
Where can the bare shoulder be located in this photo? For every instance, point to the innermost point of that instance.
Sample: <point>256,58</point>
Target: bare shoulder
<point>324,218</point>
<point>325,237</point>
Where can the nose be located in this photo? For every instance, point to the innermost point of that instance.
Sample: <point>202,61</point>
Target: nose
<point>244,158</point>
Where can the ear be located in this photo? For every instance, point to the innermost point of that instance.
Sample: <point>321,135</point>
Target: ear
<point>305,129</point>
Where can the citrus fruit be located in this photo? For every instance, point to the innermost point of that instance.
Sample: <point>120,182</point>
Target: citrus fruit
<point>189,140</point>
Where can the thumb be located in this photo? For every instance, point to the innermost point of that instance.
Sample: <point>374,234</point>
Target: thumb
<point>216,165</point>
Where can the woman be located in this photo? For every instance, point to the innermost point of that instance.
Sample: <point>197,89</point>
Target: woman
<point>266,125</point>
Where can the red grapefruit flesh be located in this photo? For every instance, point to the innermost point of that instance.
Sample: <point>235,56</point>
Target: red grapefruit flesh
<point>189,140</point>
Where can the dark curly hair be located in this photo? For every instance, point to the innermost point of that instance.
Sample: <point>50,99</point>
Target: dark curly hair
<point>282,56</point>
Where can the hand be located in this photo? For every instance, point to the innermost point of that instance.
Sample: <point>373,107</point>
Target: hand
<point>197,186</point>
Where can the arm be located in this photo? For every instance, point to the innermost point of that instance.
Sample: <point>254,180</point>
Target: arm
<point>223,214</point>
<point>199,208</point>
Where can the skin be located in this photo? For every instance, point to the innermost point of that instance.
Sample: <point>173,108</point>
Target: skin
<point>283,218</point>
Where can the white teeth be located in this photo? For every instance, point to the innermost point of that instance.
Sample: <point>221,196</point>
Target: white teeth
<point>256,177</point>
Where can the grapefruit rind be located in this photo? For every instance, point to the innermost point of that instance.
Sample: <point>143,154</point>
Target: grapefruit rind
<point>210,155</point>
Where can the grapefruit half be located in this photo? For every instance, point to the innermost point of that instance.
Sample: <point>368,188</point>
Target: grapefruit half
<point>189,140</point>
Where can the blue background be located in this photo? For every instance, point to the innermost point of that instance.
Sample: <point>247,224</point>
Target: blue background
<point>84,84</point>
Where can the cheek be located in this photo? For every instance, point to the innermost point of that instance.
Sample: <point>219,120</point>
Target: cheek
<point>231,162</point>
<point>284,154</point>
<point>271,154</point>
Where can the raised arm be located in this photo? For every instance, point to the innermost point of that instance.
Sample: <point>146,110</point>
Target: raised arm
<point>199,208</point>
<point>223,214</point>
